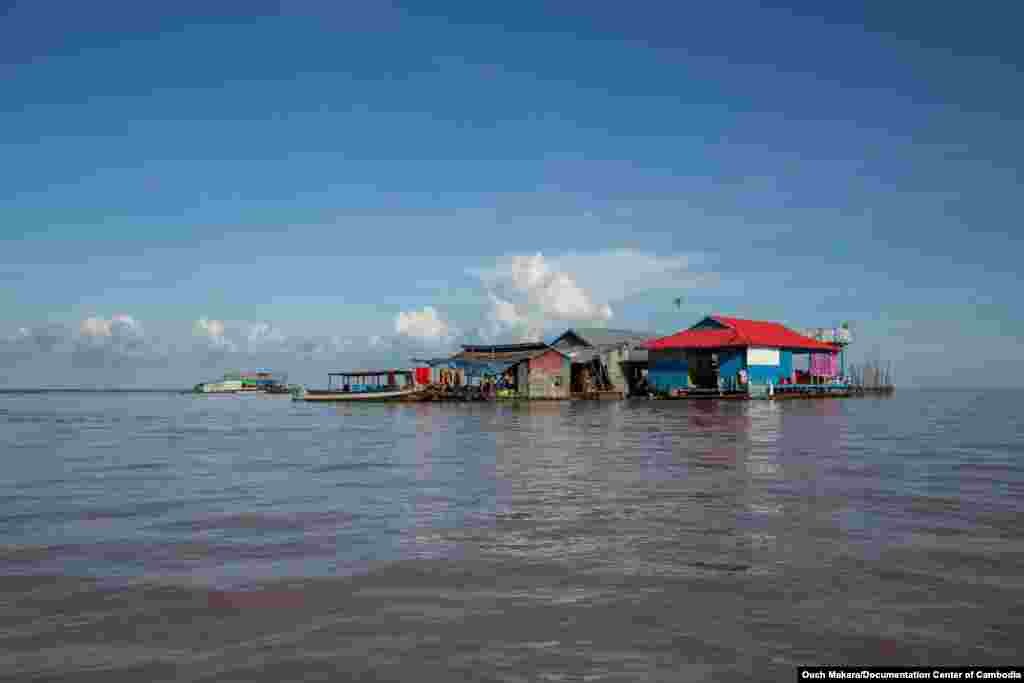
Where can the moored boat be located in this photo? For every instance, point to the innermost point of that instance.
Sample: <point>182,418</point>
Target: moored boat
<point>367,386</point>
<point>223,387</point>
<point>249,383</point>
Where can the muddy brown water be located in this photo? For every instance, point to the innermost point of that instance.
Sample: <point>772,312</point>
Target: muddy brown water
<point>164,537</point>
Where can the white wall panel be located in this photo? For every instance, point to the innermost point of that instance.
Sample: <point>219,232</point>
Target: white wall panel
<point>763,357</point>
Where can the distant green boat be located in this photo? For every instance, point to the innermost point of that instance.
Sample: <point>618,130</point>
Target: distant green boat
<point>261,382</point>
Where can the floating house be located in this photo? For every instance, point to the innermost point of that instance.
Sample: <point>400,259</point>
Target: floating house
<point>530,370</point>
<point>719,353</point>
<point>605,359</point>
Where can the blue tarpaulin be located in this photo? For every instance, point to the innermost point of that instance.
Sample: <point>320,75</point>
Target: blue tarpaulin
<point>472,368</point>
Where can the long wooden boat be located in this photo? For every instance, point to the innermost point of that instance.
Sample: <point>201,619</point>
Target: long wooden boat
<point>368,396</point>
<point>364,386</point>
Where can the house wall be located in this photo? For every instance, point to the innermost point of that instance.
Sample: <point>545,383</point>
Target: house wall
<point>547,376</point>
<point>613,360</point>
<point>730,362</point>
<point>762,374</point>
<point>668,370</point>
<point>824,364</point>
<point>523,379</point>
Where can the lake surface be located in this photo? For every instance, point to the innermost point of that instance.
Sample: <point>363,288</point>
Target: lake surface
<point>173,537</point>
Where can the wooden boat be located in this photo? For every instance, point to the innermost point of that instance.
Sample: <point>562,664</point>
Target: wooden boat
<point>366,386</point>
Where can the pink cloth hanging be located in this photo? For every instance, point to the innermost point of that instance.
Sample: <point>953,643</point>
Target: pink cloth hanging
<point>825,364</point>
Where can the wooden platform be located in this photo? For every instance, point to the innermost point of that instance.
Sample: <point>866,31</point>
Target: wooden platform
<point>610,395</point>
<point>785,392</point>
<point>707,394</point>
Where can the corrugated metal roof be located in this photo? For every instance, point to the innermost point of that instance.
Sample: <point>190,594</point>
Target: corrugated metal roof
<point>585,354</point>
<point>638,355</point>
<point>739,333</point>
<point>354,373</point>
<point>600,336</point>
<point>504,348</point>
<point>509,356</point>
<point>582,354</point>
<point>472,367</point>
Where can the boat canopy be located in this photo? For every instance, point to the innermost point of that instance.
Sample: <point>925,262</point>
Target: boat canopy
<point>471,367</point>
<point>369,373</point>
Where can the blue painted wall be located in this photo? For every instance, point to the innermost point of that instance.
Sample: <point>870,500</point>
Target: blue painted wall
<point>761,374</point>
<point>667,370</point>
<point>787,364</point>
<point>730,362</point>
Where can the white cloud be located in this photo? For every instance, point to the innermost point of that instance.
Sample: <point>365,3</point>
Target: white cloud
<point>213,332</point>
<point>29,341</point>
<point>616,274</point>
<point>507,320</point>
<point>243,336</point>
<point>527,293</point>
<point>540,285</point>
<point>121,327</point>
<point>265,335</point>
<point>423,325</point>
<point>115,342</point>
<point>504,312</point>
<point>319,345</point>
<point>95,327</point>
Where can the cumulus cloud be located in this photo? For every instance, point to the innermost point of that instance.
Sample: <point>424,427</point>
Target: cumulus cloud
<point>265,335</point>
<point>118,341</point>
<point>220,337</point>
<point>507,320</point>
<point>94,327</point>
<point>100,342</point>
<point>213,333</point>
<point>527,293</point>
<point>424,325</point>
<point>28,342</point>
<point>541,285</point>
<point>121,326</point>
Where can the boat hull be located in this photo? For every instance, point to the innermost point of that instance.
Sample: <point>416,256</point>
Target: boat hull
<point>325,396</point>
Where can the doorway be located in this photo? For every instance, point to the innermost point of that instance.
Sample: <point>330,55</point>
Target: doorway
<point>704,369</point>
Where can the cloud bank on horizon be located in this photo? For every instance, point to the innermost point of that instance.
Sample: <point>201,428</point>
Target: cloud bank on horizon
<point>516,297</point>
<point>521,297</point>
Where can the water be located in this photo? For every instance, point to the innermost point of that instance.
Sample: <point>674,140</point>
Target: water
<point>173,537</point>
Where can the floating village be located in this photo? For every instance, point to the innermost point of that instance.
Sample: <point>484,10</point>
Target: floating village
<point>719,357</point>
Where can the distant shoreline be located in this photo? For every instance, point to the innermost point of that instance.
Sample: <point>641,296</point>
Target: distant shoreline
<point>86,390</point>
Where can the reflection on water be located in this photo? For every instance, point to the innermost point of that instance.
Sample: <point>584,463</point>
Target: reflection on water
<point>769,529</point>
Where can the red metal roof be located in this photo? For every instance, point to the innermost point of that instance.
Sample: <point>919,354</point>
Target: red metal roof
<point>739,333</point>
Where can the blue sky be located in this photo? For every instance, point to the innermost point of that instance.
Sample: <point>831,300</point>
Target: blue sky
<point>332,186</point>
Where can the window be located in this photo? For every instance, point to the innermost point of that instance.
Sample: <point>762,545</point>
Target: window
<point>558,380</point>
<point>763,357</point>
